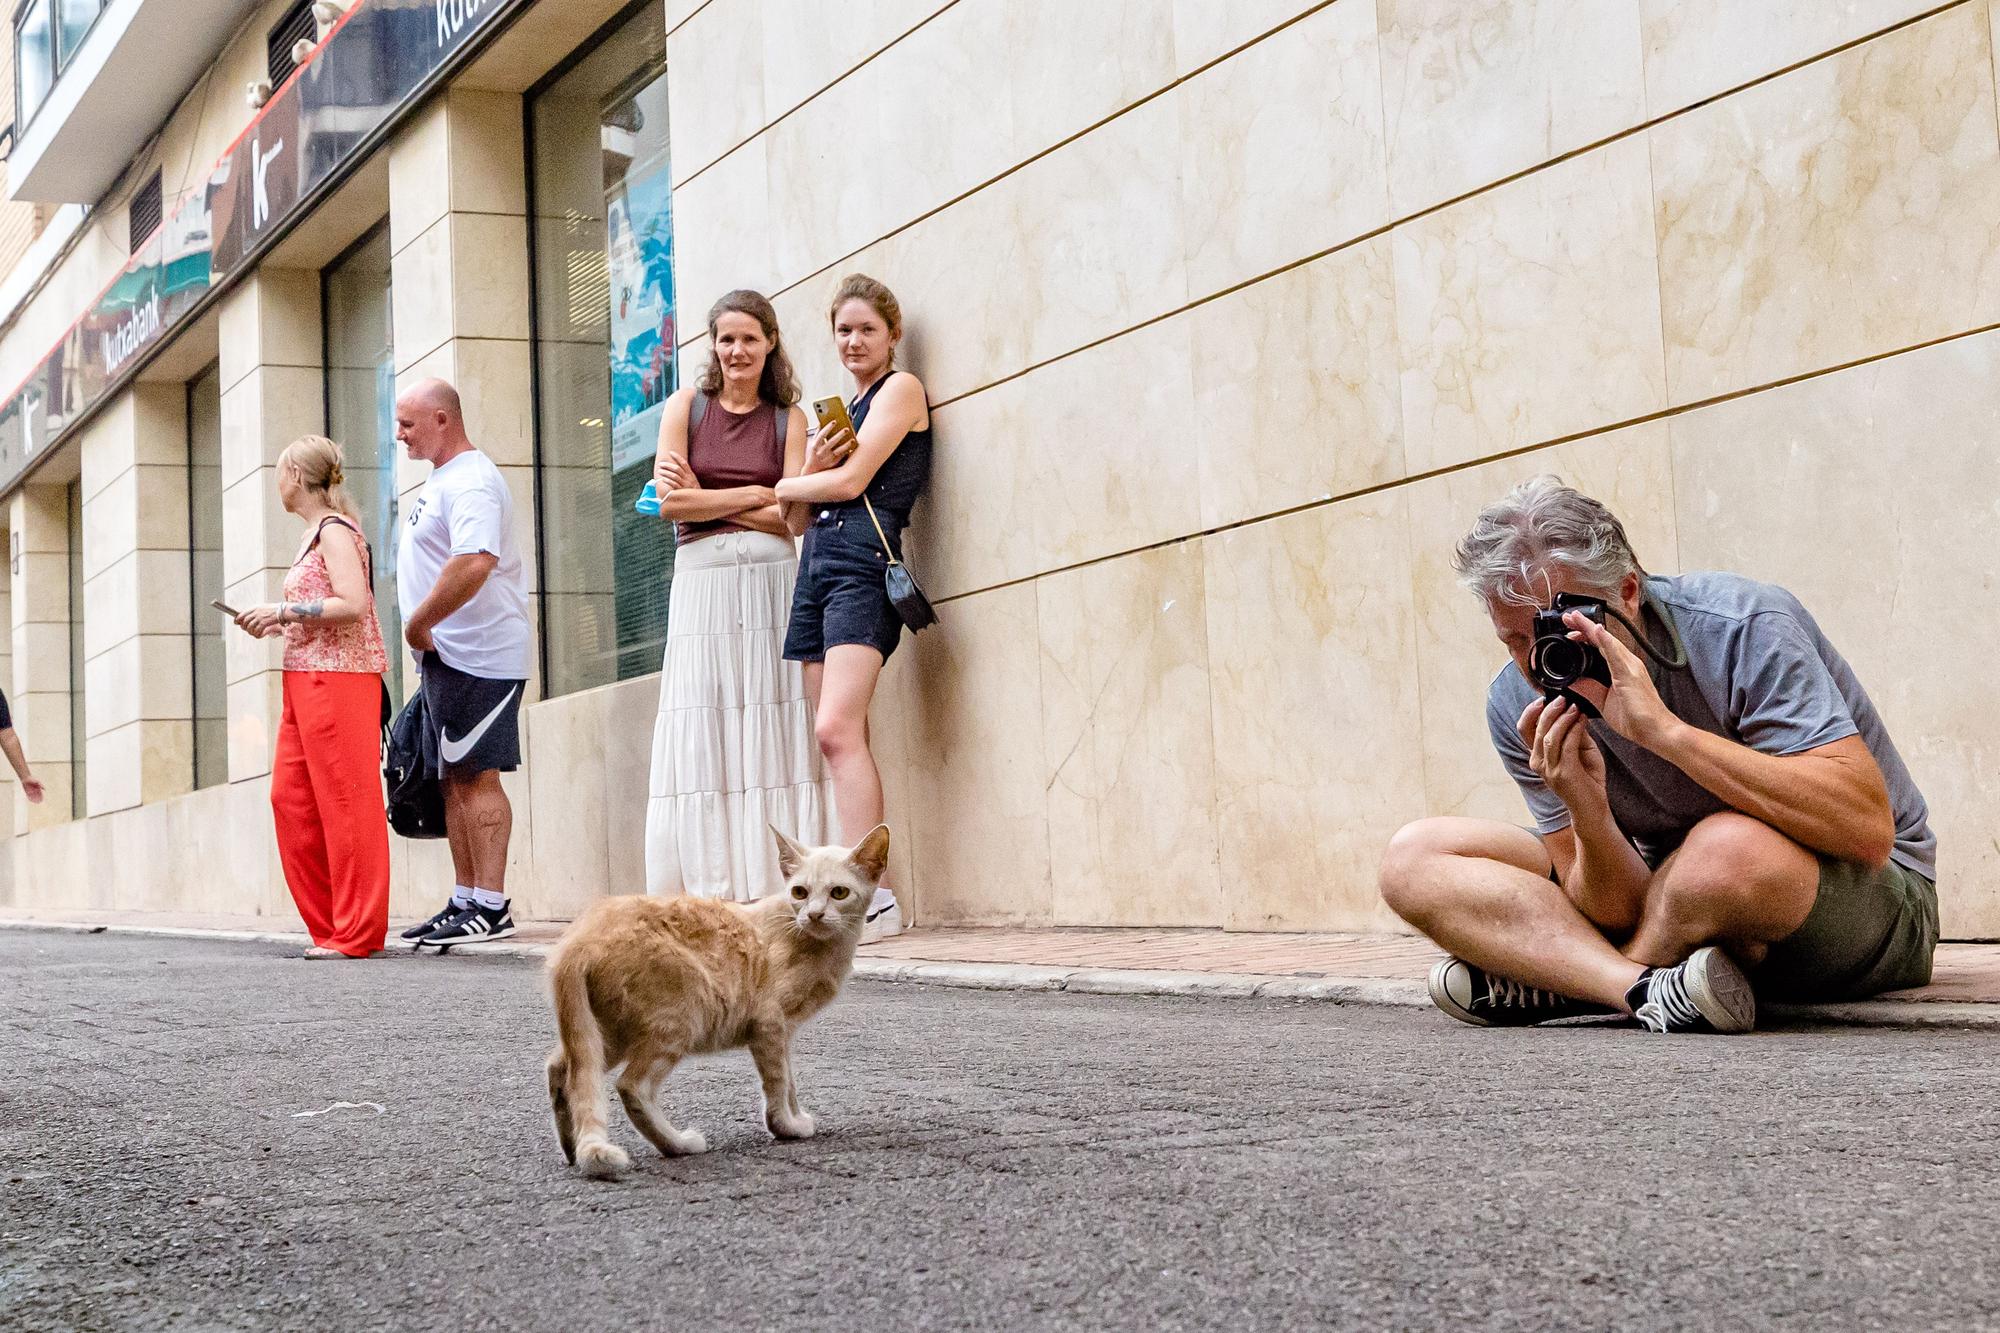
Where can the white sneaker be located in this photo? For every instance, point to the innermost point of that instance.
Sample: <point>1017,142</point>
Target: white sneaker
<point>885,918</point>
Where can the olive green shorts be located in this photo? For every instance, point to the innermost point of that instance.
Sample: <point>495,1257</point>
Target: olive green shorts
<point>1869,931</point>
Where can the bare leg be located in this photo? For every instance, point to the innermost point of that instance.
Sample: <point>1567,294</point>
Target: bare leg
<point>1481,890</point>
<point>770,1048</point>
<point>845,686</point>
<point>480,807</point>
<point>1736,882</point>
<point>458,833</point>
<point>639,1088</point>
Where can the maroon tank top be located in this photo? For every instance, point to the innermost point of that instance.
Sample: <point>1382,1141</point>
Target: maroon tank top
<point>729,449</point>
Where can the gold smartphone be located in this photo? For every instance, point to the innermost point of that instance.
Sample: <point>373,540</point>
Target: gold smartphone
<point>832,414</point>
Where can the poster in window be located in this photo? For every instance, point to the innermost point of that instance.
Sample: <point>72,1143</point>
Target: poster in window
<point>639,245</point>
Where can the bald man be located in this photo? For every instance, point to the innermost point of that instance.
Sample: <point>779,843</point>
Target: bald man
<point>464,599</point>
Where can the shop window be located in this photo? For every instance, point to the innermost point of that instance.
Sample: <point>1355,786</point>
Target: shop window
<point>207,628</point>
<point>606,336</point>
<point>361,412</point>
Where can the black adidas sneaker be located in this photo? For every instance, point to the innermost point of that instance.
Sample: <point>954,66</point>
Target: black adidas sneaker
<point>415,934</point>
<point>473,925</point>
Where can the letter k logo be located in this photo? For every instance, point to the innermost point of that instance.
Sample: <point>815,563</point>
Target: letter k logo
<point>260,166</point>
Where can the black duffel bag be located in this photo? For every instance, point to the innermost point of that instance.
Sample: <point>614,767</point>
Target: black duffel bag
<point>416,800</point>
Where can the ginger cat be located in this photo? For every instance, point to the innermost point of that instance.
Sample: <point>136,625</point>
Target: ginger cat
<point>646,982</point>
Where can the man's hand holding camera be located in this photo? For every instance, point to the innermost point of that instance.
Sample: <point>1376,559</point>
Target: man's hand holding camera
<point>1557,734</point>
<point>1562,754</point>
<point>1632,707</point>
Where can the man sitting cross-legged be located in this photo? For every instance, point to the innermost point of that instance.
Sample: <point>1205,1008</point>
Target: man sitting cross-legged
<point>1737,823</point>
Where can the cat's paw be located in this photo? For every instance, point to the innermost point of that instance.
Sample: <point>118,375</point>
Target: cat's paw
<point>601,1159</point>
<point>788,1126</point>
<point>690,1143</point>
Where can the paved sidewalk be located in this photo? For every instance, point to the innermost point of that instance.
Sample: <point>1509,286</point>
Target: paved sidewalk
<point>1344,968</point>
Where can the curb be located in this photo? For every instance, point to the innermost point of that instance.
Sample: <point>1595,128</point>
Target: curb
<point>1120,981</point>
<point>1379,992</point>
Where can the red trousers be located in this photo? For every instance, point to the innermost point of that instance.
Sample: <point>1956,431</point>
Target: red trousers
<point>326,791</point>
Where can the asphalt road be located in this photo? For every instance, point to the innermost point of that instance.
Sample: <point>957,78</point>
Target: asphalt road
<point>985,1160</point>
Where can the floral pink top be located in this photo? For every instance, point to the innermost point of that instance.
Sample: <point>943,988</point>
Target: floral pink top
<point>355,646</point>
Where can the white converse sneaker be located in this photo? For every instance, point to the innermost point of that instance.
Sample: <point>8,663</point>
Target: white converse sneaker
<point>885,918</point>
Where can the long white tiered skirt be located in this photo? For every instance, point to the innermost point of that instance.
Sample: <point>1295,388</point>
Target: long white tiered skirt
<point>733,748</point>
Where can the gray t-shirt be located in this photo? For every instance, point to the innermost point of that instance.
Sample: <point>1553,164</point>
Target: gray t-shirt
<point>1759,673</point>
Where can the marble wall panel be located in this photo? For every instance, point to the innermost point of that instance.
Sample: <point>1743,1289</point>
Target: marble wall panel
<point>1696,49</point>
<point>1531,311</point>
<point>1476,90</point>
<point>1870,494</point>
<point>1312,672</point>
<point>1282,148</point>
<point>1296,389</point>
<point>1849,208</point>
<point>1127,741</point>
<point>1205,31</point>
<point>978,780</point>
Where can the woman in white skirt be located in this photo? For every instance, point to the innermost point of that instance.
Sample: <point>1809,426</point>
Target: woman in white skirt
<point>733,748</point>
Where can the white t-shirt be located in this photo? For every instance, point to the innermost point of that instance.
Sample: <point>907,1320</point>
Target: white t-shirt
<point>465,508</point>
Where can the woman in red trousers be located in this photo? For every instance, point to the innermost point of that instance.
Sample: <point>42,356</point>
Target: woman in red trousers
<point>326,785</point>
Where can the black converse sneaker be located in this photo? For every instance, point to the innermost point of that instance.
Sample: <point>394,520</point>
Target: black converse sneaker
<point>1473,995</point>
<point>416,933</point>
<point>473,925</point>
<point>1707,993</point>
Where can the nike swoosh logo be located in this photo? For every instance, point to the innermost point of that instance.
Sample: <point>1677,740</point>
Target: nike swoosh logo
<point>452,751</point>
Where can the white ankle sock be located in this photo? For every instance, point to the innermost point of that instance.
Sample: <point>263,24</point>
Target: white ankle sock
<point>461,896</point>
<point>489,900</point>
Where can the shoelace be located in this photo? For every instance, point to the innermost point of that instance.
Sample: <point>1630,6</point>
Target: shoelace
<point>1501,992</point>
<point>1668,1004</point>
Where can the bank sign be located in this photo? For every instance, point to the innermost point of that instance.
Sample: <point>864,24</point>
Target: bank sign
<point>379,57</point>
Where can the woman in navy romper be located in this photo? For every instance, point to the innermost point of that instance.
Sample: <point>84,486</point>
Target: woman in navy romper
<point>843,625</point>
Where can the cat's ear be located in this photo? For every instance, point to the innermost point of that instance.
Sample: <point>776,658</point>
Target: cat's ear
<point>871,854</point>
<point>790,855</point>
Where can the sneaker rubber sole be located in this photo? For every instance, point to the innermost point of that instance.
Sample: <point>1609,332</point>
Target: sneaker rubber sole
<point>470,942</point>
<point>1443,997</point>
<point>1721,991</point>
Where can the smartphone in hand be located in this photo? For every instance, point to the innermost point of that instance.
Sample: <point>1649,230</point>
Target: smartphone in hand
<point>225,608</point>
<point>832,414</point>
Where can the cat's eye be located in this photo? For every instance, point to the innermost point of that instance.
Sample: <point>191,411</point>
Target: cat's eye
<point>798,893</point>
<point>839,891</point>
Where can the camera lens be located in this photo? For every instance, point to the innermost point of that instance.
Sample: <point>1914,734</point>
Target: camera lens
<point>1560,661</point>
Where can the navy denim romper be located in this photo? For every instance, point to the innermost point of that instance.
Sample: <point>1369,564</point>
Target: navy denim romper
<point>839,597</point>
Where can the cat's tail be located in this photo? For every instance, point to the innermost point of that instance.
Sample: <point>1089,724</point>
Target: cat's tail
<point>576,1075</point>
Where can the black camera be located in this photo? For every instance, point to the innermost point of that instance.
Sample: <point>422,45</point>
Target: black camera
<point>1557,661</point>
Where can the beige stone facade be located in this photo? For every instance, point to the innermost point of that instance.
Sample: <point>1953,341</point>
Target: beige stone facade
<point>1232,315</point>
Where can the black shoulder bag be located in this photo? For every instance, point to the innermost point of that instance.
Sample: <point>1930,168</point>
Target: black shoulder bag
<point>898,582</point>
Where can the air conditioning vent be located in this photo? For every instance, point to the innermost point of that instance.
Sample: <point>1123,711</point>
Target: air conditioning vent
<point>297,23</point>
<point>145,213</point>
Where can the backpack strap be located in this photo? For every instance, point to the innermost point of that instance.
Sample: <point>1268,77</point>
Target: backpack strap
<point>781,422</point>
<point>696,411</point>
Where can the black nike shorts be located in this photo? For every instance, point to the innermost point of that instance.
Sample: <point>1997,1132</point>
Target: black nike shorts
<point>474,723</point>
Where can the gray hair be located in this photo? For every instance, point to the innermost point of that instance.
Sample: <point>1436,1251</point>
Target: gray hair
<point>1539,528</point>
